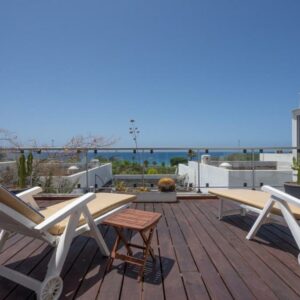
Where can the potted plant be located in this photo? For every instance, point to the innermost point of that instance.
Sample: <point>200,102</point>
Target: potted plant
<point>166,192</point>
<point>293,188</point>
<point>166,184</point>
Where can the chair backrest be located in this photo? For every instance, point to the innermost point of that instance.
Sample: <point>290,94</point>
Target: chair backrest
<point>17,204</point>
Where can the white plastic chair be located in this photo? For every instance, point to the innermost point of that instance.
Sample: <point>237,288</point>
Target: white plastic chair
<point>13,221</point>
<point>271,205</point>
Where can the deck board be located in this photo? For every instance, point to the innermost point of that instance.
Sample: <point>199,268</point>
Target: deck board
<point>198,257</point>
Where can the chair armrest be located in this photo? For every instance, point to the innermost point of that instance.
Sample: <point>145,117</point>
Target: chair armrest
<point>27,196</point>
<point>281,195</point>
<point>66,211</point>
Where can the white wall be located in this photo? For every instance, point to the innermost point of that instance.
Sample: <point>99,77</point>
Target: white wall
<point>212,175</point>
<point>99,175</point>
<point>221,177</point>
<point>283,160</point>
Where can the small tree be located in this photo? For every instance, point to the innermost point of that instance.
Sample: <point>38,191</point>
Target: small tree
<point>29,167</point>
<point>21,171</point>
<point>24,169</point>
<point>178,160</point>
<point>152,171</point>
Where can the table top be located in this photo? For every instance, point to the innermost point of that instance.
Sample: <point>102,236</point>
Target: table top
<point>133,219</point>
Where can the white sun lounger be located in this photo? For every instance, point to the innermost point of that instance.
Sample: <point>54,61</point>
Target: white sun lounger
<point>57,225</point>
<point>271,204</point>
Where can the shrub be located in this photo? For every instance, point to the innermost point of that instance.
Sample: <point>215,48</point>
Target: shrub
<point>166,184</point>
<point>152,171</point>
<point>178,160</point>
<point>120,186</point>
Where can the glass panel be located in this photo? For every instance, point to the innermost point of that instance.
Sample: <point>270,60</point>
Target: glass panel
<point>276,168</point>
<point>65,170</point>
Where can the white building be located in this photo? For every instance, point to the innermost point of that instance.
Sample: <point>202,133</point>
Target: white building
<point>223,176</point>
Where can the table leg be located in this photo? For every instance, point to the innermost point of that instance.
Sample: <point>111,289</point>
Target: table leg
<point>148,250</point>
<point>145,239</point>
<point>122,237</point>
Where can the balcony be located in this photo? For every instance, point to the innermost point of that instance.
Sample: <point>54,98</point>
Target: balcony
<point>199,257</point>
<point>195,170</point>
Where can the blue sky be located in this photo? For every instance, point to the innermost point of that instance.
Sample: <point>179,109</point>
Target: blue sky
<point>191,73</point>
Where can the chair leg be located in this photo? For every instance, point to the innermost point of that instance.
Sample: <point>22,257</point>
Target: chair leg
<point>260,219</point>
<point>96,233</point>
<point>291,221</point>
<point>61,250</point>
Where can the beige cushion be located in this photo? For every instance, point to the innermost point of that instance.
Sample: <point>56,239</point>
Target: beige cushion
<point>256,199</point>
<point>103,203</point>
<point>20,206</point>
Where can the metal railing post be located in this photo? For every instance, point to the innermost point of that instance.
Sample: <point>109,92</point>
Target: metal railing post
<point>143,169</point>
<point>198,158</point>
<point>87,170</point>
<point>253,169</point>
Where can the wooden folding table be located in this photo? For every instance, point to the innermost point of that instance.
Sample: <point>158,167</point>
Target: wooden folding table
<point>141,221</point>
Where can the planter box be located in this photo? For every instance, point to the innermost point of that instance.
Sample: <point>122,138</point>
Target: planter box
<point>292,188</point>
<point>167,197</point>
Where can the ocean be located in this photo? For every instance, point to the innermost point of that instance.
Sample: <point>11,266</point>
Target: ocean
<point>158,157</point>
<point>155,157</point>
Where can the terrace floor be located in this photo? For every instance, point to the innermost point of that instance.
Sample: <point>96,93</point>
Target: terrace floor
<point>199,257</point>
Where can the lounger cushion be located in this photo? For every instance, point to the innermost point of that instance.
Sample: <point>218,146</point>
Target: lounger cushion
<point>103,203</point>
<point>17,204</point>
<point>252,198</point>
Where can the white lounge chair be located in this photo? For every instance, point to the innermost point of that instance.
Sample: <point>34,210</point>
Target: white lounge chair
<point>57,225</point>
<point>270,203</point>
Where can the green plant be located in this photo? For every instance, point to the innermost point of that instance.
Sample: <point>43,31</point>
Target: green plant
<point>29,166</point>
<point>152,171</point>
<point>102,159</point>
<point>174,161</point>
<point>21,171</point>
<point>241,157</point>
<point>143,189</point>
<point>24,169</point>
<point>65,186</point>
<point>166,184</point>
<point>296,167</point>
<point>120,186</point>
<point>47,185</point>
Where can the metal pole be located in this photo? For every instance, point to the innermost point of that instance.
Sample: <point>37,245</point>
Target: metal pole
<point>143,171</point>
<point>198,157</point>
<point>87,171</point>
<point>253,170</point>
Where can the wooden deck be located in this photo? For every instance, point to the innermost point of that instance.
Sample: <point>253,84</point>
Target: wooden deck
<point>199,257</point>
